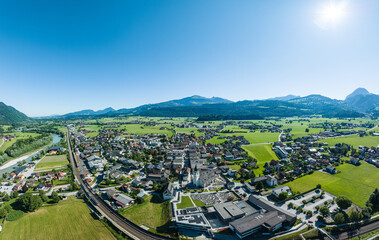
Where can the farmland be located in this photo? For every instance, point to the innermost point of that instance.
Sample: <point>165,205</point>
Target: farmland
<point>355,140</point>
<point>262,153</point>
<point>141,129</point>
<point>252,137</point>
<point>52,162</point>
<point>356,183</point>
<point>69,219</point>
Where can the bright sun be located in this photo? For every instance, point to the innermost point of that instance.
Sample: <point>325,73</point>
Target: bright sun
<point>331,14</point>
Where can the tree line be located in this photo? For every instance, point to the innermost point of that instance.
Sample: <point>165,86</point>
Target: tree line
<point>22,146</point>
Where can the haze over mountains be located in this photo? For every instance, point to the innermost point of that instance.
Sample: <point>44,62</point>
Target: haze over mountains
<point>359,103</point>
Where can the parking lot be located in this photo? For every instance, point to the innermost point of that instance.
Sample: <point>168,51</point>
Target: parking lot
<point>312,199</point>
<point>212,197</point>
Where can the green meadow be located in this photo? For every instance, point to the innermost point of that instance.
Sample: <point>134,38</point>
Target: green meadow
<point>262,153</point>
<point>354,182</point>
<point>355,140</point>
<point>69,219</point>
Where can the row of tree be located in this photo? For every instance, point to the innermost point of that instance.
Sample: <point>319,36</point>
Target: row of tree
<point>22,146</point>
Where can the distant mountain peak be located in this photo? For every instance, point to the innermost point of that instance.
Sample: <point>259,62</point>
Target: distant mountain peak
<point>358,91</point>
<point>284,98</point>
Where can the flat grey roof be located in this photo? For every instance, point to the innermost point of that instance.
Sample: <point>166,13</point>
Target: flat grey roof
<point>248,223</point>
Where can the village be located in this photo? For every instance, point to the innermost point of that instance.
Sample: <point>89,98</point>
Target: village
<point>206,195</point>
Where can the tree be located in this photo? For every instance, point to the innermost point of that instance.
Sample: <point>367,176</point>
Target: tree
<point>355,216</point>
<point>3,213</point>
<point>283,196</point>
<point>108,181</point>
<point>309,213</point>
<point>14,194</point>
<point>29,202</point>
<point>339,218</point>
<point>343,202</point>
<point>366,212</point>
<point>324,211</point>
<point>55,197</point>
<point>290,205</point>
<point>6,198</point>
<point>43,196</point>
<point>259,186</point>
<point>299,208</point>
<point>318,186</point>
<point>140,200</point>
<point>8,208</point>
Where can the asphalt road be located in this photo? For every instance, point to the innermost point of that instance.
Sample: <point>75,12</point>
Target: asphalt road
<point>117,220</point>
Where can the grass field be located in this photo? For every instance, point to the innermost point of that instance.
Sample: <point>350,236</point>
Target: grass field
<point>254,137</point>
<point>52,162</point>
<point>198,203</point>
<point>19,135</point>
<point>141,129</point>
<point>262,153</point>
<point>299,130</point>
<point>92,134</point>
<point>70,219</point>
<point>151,213</point>
<point>356,183</point>
<point>354,140</point>
<point>185,203</point>
<point>189,130</point>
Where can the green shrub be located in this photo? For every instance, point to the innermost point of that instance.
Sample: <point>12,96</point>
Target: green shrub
<point>15,215</point>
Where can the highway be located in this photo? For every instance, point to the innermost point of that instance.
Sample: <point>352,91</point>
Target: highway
<point>124,225</point>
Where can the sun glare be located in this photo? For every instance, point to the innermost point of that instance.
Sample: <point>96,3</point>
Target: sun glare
<point>331,14</point>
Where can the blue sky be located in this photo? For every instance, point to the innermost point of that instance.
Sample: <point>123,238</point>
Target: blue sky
<point>62,56</point>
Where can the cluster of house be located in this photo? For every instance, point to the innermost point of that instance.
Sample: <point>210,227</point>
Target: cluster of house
<point>341,125</point>
<point>177,156</point>
<point>369,155</point>
<point>118,200</point>
<point>43,181</point>
<point>8,137</point>
<point>301,157</point>
<point>328,134</point>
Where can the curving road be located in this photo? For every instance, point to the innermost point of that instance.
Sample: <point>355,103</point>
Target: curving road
<point>124,225</point>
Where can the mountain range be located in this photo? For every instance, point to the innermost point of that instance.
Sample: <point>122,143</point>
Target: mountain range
<point>359,103</point>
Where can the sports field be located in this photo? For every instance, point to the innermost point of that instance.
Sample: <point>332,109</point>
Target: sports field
<point>354,182</point>
<point>262,153</point>
<point>69,219</point>
<point>52,162</point>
